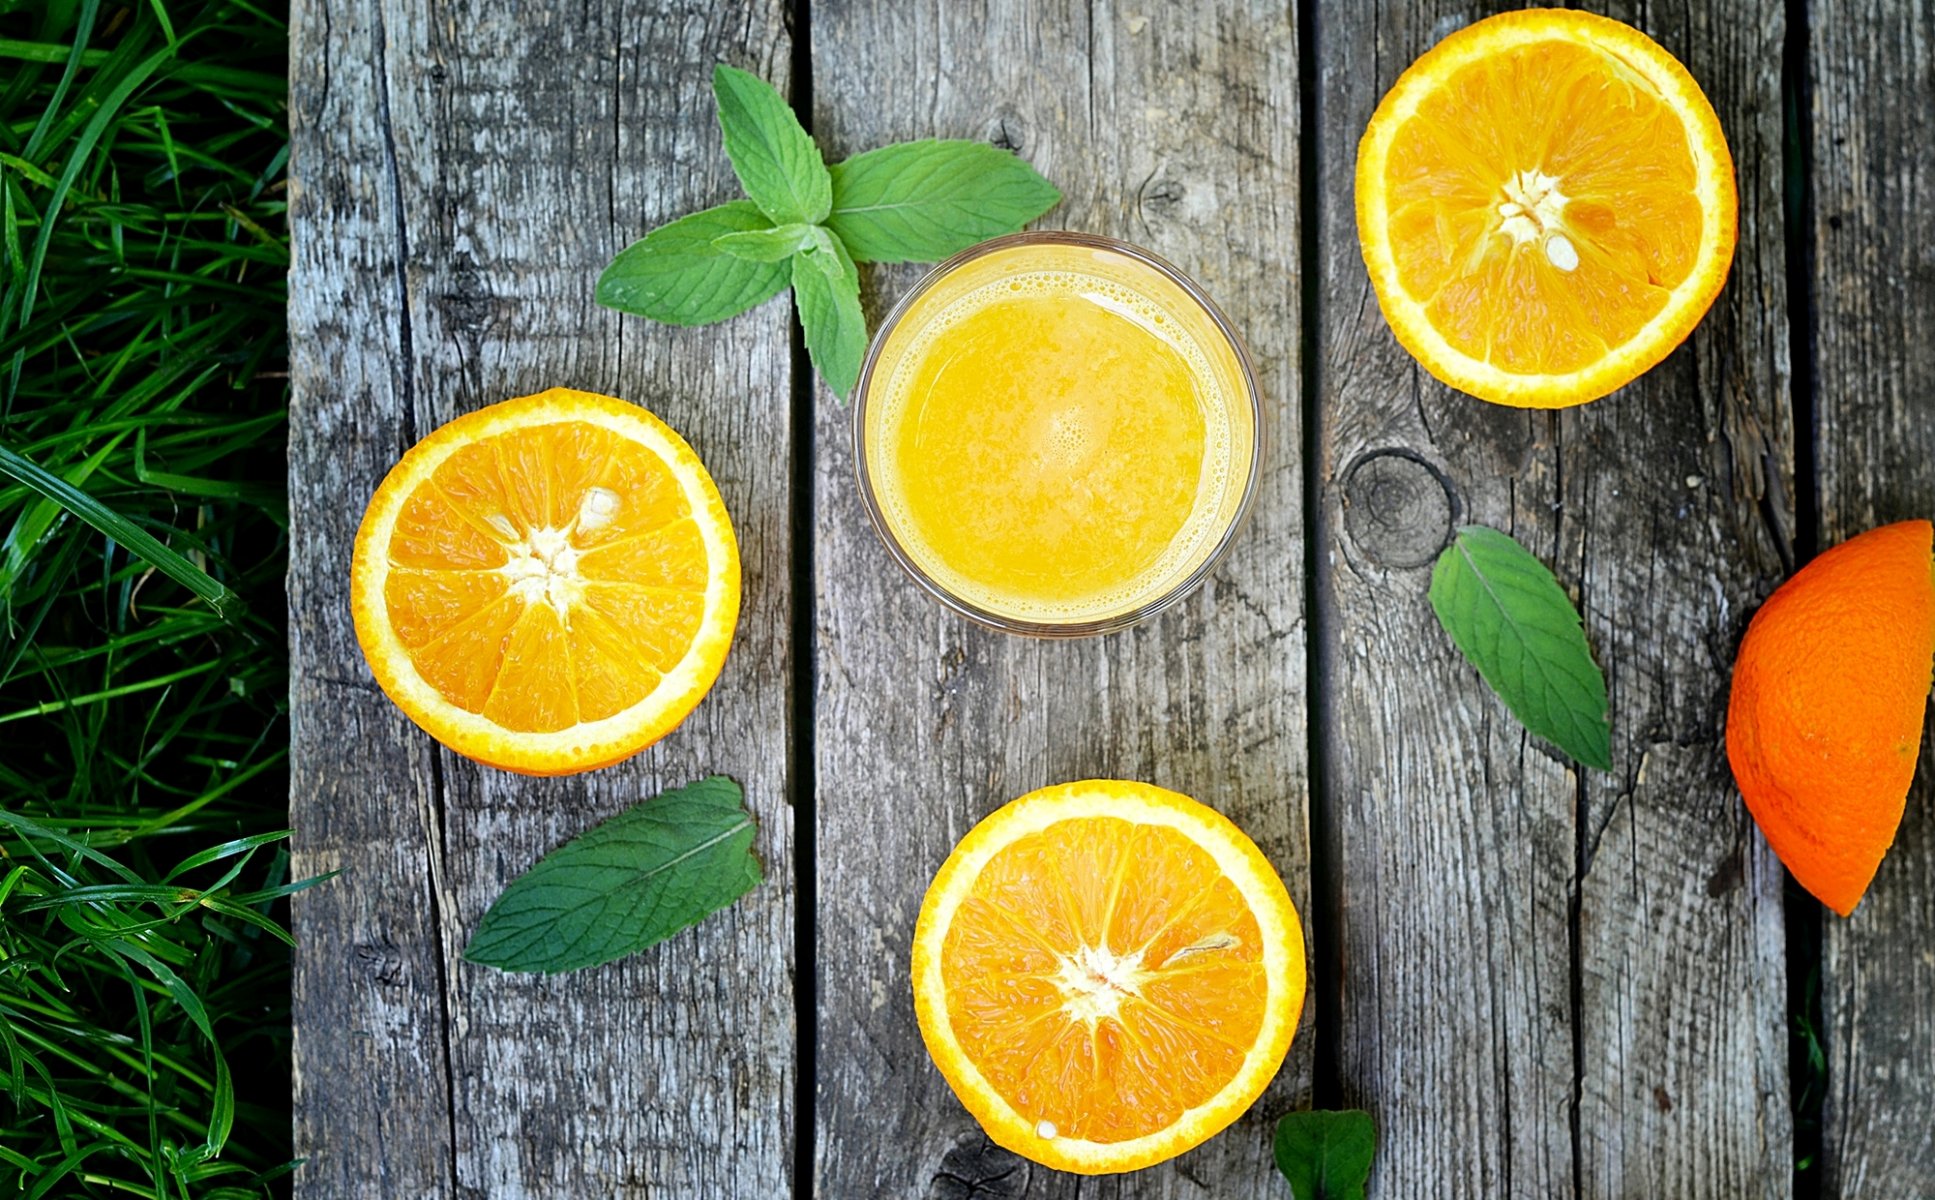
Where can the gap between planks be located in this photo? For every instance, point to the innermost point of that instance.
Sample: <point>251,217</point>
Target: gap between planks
<point>803,783</point>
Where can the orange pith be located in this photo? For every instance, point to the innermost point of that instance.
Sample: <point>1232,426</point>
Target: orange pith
<point>1107,973</point>
<point>1546,205</point>
<point>547,585</point>
<point>1830,691</point>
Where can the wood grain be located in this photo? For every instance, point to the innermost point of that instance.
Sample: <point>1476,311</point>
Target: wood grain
<point>1874,387</point>
<point>1555,983</point>
<point>462,172</point>
<point>1176,129</point>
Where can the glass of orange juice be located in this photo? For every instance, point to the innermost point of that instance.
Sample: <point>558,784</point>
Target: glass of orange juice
<point>1057,434</point>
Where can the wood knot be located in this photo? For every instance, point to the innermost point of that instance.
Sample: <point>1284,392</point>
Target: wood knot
<point>974,1168</point>
<point>1007,132</point>
<point>381,961</point>
<point>1398,508</point>
<point>467,312</point>
<point>467,304</point>
<point>1163,195</point>
<point>1729,874</point>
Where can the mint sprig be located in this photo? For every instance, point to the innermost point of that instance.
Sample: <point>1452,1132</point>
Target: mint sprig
<point>1513,621</point>
<point>628,883</point>
<point>806,225</point>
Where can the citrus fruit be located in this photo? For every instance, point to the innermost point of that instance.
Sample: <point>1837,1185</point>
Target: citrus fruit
<point>1829,692</point>
<point>1106,973</point>
<point>1546,206</point>
<point>547,585</point>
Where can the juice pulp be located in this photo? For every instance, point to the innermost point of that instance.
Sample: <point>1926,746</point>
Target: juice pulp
<point>1057,433</point>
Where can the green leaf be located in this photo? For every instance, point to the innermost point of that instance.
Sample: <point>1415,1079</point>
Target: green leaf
<point>1326,1155</point>
<point>924,201</point>
<point>1510,617</point>
<point>767,245</point>
<point>678,275</point>
<point>826,286</point>
<point>777,163</point>
<point>623,885</point>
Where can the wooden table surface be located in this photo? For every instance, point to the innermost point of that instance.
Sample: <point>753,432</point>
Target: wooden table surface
<point>1543,983</point>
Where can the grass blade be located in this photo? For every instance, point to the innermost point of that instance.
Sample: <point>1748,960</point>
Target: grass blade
<point>127,533</point>
<point>214,853</point>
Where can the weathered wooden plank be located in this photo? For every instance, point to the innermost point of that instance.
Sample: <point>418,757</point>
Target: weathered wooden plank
<point>1874,387</point>
<point>1555,983</point>
<point>1174,128</point>
<point>371,1062</point>
<point>462,173</point>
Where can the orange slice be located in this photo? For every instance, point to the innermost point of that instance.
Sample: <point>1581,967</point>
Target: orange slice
<point>1546,206</point>
<point>1830,690</point>
<point>547,585</point>
<point>1107,974</point>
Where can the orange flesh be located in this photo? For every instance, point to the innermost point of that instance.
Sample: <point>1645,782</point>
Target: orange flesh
<point>1105,976</point>
<point>1578,147</point>
<point>547,577</point>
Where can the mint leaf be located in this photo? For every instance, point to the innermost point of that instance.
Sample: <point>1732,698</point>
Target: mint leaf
<point>625,884</point>
<point>914,202</point>
<point>768,245</point>
<point>1326,1155</point>
<point>1513,621</point>
<point>924,201</point>
<point>677,274</point>
<point>826,286</point>
<point>777,163</point>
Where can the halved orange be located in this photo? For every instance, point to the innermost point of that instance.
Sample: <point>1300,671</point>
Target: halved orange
<point>547,585</point>
<point>1107,974</point>
<point>1830,690</point>
<point>1546,206</point>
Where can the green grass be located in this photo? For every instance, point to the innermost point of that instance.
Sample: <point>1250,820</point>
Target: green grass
<point>143,961</point>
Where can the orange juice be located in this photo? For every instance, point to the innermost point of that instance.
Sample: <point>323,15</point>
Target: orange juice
<point>1057,431</point>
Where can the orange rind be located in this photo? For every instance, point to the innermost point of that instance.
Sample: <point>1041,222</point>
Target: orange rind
<point>1830,691</point>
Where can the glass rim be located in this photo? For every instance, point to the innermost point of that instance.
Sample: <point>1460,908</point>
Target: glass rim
<point>1155,605</point>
